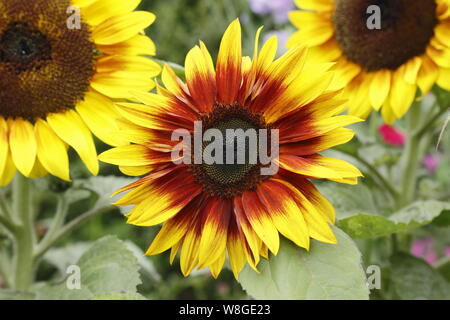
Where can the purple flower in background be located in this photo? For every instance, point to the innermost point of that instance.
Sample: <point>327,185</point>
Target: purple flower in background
<point>283,37</point>
<point>431,162</point>
<point>423,248</point>
<point>279,9</point>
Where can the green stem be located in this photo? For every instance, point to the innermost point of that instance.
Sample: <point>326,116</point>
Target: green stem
<point>430,123</point>
<point>4,208</point>
<point>416,146</point>
<point>374,171</point>
<point>409,172</point>
<point>7,224</point>
<point>24,235</point>
<point>43,247</point>
<point>58,222</point>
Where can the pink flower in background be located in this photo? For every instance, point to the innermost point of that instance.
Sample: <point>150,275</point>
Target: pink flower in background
<point>223,288</point>
<point>392,135</point>
<point>423,248</point>
<point>431,162</point>
<point>279,9</point>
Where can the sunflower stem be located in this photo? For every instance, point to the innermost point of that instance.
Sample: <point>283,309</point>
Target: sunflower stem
<point>372,170</point>
<point>57,223</point>
<point>24,240</point>
<point>411,158</point>
<point>44,246</point>
<point>430,123</point>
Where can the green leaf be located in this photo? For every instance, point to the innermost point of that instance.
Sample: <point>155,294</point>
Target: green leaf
<point>367,226</point>
<point>443,220</point>
<point>65,256</point>
<point>147,267</point>
<point>443,266</point>
<point>107,267</point>
<point>349,200</point>
<point>442,97</point>
<point>7,294</point>
<point>327,271</point>
<point>414,279</point>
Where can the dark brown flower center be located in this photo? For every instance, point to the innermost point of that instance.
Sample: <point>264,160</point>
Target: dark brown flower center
<point>45,66</point>
<point>407,27</point>
<point>23,47</point>
<point>227,179</point>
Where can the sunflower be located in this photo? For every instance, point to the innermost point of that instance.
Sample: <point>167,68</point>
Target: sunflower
<point>211,209</point>
<point>382,67</point>
<point>61,64</point>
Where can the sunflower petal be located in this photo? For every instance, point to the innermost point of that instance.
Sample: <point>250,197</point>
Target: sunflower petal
<point>284,211</point>
<point>52,152</point>
<point>214,231</point>
<point>22,142</point>
<point>121,28</point>
<point>71,129</point>
<point>229,63</point>
<point>261,221</point>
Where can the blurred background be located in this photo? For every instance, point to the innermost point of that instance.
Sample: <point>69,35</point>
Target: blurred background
<point>180,24</point>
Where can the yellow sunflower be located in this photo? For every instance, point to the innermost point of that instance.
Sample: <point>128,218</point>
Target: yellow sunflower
<point>61,64</point>
<point>381,66</point>
<point>211,209</point>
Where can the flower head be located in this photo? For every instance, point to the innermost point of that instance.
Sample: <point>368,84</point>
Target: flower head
<point>211,209</point>
<point>61,63</point>
<point>384,49</point>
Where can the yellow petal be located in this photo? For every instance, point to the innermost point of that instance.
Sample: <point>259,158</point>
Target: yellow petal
<point>379,88</point>
<point>99,11</point>
<point>9,171</point>
<point>229,63</point>
<point>52,152</point>
<point>189,252</point>
<point>121,28</point>
<point>217,266</point>
<point>22,142</point>
<point>444,79</point>
<point>100,115</point>
<point>70,128</point>
<point>402,93</point>
<point>4,145</point>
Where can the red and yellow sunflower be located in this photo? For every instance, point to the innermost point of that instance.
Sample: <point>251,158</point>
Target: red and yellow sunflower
<point>209,210</point>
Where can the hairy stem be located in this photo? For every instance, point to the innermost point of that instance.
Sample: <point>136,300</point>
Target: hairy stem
<point>375,173</point>
<point>57,223</point>
<point>69,227</point>
<point>24,235</point>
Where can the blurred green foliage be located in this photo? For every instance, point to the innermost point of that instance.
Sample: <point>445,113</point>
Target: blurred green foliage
<point>180,24</point>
